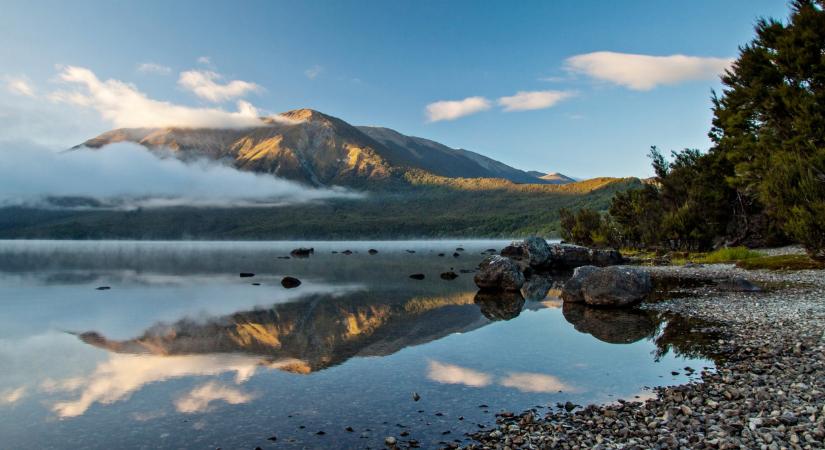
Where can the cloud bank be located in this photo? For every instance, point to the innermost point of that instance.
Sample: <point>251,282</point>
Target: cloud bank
<point>645,72</point>
<point>525,101</point>
<point>453,109</point>
<point>125,106</point>
<point>204,84</point>
<point>127,176</point>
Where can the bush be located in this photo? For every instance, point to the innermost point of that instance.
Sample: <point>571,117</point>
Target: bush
<point>729,254</point>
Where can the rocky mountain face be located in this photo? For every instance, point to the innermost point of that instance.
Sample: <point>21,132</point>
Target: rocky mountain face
<point>320,150</point>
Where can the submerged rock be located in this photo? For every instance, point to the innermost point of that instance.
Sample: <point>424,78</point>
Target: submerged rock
<point>417,276</point>
<point>502,305</point>
<point>499,273</point>
<point>247,274</point>
<point>449,275</point>
<point>372,251</point>
<point>302,252</point>
<point>290,282</point>
<point>608,286</point>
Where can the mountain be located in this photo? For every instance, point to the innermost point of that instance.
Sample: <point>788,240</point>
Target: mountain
<point>557,178</point>
<point>316,149</point>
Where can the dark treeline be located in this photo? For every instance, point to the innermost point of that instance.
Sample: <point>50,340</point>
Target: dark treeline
<point>763,180</point>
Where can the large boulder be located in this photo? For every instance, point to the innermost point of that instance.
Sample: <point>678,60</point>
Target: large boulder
<point>605,257</point>
<point>569,256</point>
<point>498,273</point>
<point>531,252</point>
<point>608,286</point>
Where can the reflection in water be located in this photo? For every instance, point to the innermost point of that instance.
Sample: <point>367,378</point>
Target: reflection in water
<point>535,382</point>
<point>452,374</point>
<point>499,305</point>
<point>12,396</point>
<point>538,288</point>
<point>615,326</point>
<point>199,398</point>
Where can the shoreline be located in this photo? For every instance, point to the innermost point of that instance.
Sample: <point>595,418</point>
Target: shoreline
<point>767,391</point>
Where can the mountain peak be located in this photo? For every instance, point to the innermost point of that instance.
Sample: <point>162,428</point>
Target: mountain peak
<point>305,114</point>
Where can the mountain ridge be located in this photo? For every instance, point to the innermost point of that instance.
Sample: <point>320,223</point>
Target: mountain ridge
<point>317,149</point>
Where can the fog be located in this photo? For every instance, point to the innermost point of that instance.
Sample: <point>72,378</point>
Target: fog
<point>128,176</point>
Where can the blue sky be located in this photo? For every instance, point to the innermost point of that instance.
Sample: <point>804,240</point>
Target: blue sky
<point>383,63</point>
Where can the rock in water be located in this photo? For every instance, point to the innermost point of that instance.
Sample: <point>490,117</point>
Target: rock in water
<point>608,286</point>
<point>531,252</point>
<point>372,251</point>
<point>102,288</point>
<point>572,290</point>
<point>499,273</point>
<point>247,274</point>
<point>568,256</point>
<point>417,276</point>
<point>737,284</point>
<point>302,252</point>
<point>449,276</point>
<point>290,282</point>
<point>416,397</point>
<point>605,257</point>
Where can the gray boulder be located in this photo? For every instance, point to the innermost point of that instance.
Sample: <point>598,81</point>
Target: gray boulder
<point>608,286</point>
<point>605,257</point>
<point>569,256</point>
<point>531,252</point>
<point>572,290</point>
<point>499,273</point>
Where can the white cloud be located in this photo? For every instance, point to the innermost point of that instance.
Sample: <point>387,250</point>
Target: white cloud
<point>19,85</point>
<point>12,396</point>
<point>204,84</point>
<point>535,382</point>
<point>117,175</point>
<point>125,106</point>
<point>313,72</point>
<point>453,109</point>
<point>150,67</point>
<point>645,72</point>
<point>524,101</point>
<point>199,398</point>
<point>204,60</point>
<point>452,374</point>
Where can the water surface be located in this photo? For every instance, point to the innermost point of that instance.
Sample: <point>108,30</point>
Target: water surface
<point>181,351</point>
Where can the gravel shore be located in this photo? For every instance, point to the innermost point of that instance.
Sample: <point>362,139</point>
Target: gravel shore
<point>767,392</point>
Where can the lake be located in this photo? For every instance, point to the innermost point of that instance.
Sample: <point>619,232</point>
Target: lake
<point>181,351</point>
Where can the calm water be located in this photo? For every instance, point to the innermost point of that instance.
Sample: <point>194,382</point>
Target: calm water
<point>182,352</point>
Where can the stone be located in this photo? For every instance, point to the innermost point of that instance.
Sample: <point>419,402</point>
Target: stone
<point>608,286</point>
<point>290,282</point>
<point>569,256</point>
<point>449,275</point>
<point>499,273</point>
<point>417,276</point>
<point>605,257</point>
<point>572,289</point>
<point>302,252</point>
<point>247,274</point>
<point>372,251</point>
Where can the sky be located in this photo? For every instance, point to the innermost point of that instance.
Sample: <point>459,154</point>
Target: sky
<point>583,88</point>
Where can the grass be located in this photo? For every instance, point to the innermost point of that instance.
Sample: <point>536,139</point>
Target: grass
<point>781,262</point>
<point>728,255</point>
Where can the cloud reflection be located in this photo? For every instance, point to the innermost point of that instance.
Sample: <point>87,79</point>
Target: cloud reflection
<point>122,375</point>
<point>535,382</point>
<point>452,374</point>
<point>199,398</point>
<point>12,396</point>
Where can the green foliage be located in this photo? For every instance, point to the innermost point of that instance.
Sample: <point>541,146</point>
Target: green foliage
<point>728,254</point>
<point>433,210</point>
<point>781,262</point>
<point>587,227</point>
<point>769,123</point>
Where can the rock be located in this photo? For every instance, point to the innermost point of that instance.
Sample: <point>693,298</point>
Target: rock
<point>256,284</point>
<point>441,254</point>
<point>456,255</point>
<point>737,284</point>
<point>499,273</point>
<point>531,252</point>
<point>572,290</point>
<point>247,274</point>
<point>390,441</point>
<point>347,252</point>
<point>102,288</point>
<point>605,257</point>
<point>302,252</point>
<point>272,438</point>
<point>449,275</point>
<point>410,251</point>
<point>416,397</point>
<point>569,256</point>
<point>608,286</point>
<point>290,282</point>
<point>417,276</point>
<point>504,305</point>
<point>372,251</point>
<point>284,257</point>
